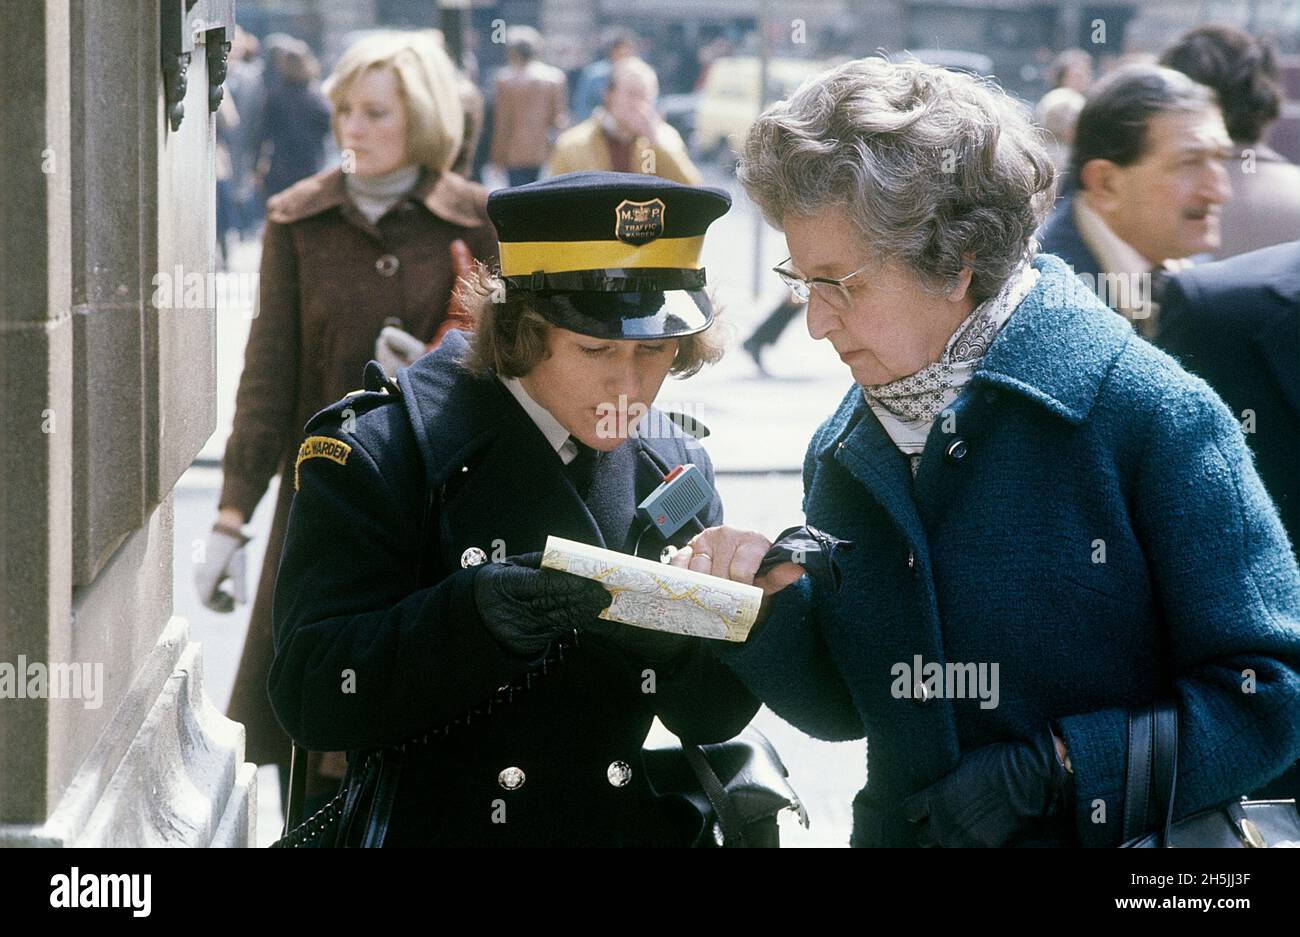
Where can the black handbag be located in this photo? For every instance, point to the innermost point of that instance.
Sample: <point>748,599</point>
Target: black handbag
<point>738,788</point>
<point>1148,810</point>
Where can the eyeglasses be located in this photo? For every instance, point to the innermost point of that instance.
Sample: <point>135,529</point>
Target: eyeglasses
<point>833,291</point>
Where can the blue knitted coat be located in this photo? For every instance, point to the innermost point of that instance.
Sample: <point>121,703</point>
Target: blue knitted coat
<point>1087,518</point>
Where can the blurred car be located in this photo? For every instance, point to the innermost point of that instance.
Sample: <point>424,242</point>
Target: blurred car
<point>729,100</point>
<point>974,62</point>
<point>678,110</point>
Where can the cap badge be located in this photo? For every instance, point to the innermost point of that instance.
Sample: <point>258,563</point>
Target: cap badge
<point>639,222</point>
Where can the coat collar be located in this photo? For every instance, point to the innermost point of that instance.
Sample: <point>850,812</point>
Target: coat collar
<point>1059,345</point>
<point>446,195</point>
<point>460,418</point>
<point>1055,350</point>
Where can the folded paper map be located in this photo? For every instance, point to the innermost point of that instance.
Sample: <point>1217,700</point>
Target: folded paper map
<point>658,596</point>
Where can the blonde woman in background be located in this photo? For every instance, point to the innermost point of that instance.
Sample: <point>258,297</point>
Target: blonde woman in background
<point>345,251</point>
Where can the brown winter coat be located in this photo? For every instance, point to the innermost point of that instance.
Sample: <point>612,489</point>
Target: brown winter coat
<point>329,281</point>
<point>530,104</point>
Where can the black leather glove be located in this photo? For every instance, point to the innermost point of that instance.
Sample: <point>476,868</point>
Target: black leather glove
<point>525,607</point>
<point>810,548</point>
<point>994,793</point>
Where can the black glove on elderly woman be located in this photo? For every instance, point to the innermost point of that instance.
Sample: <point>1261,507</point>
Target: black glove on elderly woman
<point>994,794</point>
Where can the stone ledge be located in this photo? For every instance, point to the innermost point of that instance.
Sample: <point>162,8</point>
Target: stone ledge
<point>181,780</point>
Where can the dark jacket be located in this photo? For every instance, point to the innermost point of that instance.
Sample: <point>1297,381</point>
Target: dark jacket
<point>347,599</point>
<point>1059,235</point>
<point>295,120</point>
<point>329,280</point>
<point>1236,323</point>
<point>1090,522</point>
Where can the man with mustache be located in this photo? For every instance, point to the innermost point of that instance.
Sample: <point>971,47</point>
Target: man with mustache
<point>1149,179</point>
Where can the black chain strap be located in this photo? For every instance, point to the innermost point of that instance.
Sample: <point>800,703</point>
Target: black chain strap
<point>326,818</point>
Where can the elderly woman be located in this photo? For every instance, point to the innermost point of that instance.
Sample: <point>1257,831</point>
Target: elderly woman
<point>344,252</point>
<point>1038,500</point>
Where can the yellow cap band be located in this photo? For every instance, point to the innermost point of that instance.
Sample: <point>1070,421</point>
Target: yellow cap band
<point>521,258</point>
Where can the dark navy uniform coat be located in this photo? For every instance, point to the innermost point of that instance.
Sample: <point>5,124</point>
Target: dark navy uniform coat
<point>368,653</point>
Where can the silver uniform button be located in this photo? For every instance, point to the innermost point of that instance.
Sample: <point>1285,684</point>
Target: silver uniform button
<point>472,556</point>
<point>619,774</point>
<point>511,778</point>
<point>387,265</point>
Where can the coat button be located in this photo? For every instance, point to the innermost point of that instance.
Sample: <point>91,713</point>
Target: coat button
<point>619,774</point>
<point>387,265</point>
<point>511,778</point>
<point>911,560</point>
<point>956,450</point>
<point>472,556</point>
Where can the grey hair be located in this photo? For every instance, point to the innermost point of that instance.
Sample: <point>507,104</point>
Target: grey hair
<point>938,170</point>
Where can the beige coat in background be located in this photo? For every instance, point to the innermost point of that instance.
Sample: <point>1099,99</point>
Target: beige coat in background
<point>1265,206</point>
<point>584,148</point>
<point>530,104</point>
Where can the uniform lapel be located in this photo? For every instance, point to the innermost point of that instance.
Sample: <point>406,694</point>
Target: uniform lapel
<point>514,489</point>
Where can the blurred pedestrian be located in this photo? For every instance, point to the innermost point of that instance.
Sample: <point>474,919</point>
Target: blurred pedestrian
<point>528,108</point>
<point>589,90</point>
<point>227,221</point>
<point>342,255</point>
<point>626,134</point>
<point>295,119</point>
<point>1242,70</point>
<point>769,331</point>
<point>1032,492</point>
<point>1056,112</point>
<point>1150,181</point>
<point>244,86</point>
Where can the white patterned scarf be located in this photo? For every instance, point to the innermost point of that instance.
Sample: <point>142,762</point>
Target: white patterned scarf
<point>908,407</point>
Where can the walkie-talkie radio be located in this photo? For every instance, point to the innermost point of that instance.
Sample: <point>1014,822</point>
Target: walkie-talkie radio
<point>684,493</point>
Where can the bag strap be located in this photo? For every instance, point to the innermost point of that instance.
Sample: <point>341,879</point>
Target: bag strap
<point>297,787</point>
<point>381,808</point>
<point>733,829</point>
<point>1152,771</point>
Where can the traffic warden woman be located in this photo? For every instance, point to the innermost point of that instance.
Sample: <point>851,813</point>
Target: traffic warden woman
<point>407,602</point>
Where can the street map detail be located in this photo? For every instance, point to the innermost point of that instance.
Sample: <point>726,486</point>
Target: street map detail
<point>658,596</point>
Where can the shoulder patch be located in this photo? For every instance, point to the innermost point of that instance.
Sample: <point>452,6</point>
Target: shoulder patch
<point>320,447</point>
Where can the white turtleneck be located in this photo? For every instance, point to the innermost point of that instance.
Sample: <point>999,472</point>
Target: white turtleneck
<point>374,195</point>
